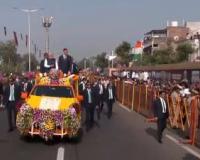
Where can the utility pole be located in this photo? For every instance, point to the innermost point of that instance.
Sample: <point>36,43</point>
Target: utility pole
<point>28,12</point>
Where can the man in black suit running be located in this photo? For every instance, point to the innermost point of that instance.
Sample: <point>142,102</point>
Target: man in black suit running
<point>161,114</point>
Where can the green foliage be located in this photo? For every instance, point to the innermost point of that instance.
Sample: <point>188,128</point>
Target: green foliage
<point>123,52</point>
<point>168,56</point>
<point>25,62</point>
<point>183,52</point>
<point>101,60</point>
<point>13,62</point>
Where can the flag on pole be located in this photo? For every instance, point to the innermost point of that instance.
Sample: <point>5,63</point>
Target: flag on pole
<point>5,32</point>
<point>21,37</point>
<point>40,53</point>
<point>35,48</point>
<point>26,40</point>
<point>15,38</point>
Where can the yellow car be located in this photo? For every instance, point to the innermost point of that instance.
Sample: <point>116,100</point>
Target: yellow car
<point>52,108</point>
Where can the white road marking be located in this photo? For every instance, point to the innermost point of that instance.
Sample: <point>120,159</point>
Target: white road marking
<point>183,146</point>
<point>124,107</point>
<point>61,153</point>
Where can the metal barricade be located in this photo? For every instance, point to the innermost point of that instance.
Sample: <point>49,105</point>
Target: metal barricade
<point>182,114</point>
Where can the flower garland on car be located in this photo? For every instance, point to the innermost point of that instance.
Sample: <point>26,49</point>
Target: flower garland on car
<point>24,119</point>
<point>47,121</point>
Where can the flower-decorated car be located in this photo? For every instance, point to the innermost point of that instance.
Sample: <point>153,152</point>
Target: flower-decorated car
<point>52,108</point>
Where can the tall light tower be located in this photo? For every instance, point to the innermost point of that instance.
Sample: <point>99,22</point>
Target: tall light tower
<point>28,12</point>
<point>47,22</point>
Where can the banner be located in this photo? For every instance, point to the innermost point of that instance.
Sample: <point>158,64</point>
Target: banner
<point>15,38</point>
<point>21,37</point>
<point>26,40</point>
<point>35,48</point>
<point>5,32</point>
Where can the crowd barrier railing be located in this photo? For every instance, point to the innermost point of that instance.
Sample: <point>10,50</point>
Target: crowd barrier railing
<point>183,112</point>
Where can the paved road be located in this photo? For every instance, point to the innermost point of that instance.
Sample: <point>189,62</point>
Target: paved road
<point>126,136</point>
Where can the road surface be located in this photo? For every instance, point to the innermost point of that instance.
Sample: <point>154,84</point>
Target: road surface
<point>126,136</point>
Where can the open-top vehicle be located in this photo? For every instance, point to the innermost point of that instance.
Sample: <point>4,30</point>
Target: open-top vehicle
<point>52,108</point>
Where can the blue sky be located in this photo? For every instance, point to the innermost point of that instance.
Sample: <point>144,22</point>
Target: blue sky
<point>89,27</point>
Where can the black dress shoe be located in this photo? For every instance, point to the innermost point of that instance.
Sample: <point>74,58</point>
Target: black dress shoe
<point>160,141</point>
<point>10,130</point>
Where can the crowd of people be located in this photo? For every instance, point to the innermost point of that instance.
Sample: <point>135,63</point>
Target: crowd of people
<point>13,86</point>
<point>177,94</point>
<point>99,94</point>
<point>96,94</point>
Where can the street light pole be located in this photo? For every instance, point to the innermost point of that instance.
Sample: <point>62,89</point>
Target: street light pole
<point>29,11</point>
<point>29,41</point>
<point>47,22</point>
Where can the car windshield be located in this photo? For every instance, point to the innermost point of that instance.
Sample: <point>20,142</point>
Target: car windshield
<point>53,91</point>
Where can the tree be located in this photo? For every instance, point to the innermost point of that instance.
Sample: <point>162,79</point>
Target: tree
<point>25,62</point>
<point>101,60</point>
<point>123,52</point>
<point>168,55</point>
<point>8,52</point>
<point>10,61</point>
<point>183,52</point>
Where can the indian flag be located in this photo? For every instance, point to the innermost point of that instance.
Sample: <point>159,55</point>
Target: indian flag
<point>137,50</point>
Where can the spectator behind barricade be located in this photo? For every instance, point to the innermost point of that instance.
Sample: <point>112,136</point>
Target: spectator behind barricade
<point>175,96</point>
<point>65,62</point>
<point>44,67</point>
<point>52,62</point>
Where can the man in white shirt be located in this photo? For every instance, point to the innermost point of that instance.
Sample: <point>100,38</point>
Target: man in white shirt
<point>44,64</point>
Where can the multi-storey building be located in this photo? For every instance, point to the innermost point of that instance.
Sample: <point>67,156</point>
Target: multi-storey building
<point>160,39</point>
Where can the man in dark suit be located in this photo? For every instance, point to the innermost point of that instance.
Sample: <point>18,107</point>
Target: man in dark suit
<point>26,85</point>
<point>65,62</point>
<point>88,101</point>
<point>10,97</point>
<point>110,98</point>
<point>99,97</point>
<point>161,114</point>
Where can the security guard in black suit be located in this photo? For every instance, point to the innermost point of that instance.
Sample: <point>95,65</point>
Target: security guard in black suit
<point>161,114</point>
<point>89,104</point>
<point>10,98</point>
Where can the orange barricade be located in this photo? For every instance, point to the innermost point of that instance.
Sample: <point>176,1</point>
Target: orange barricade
<point>136,102</point>
<point>182,114</point>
